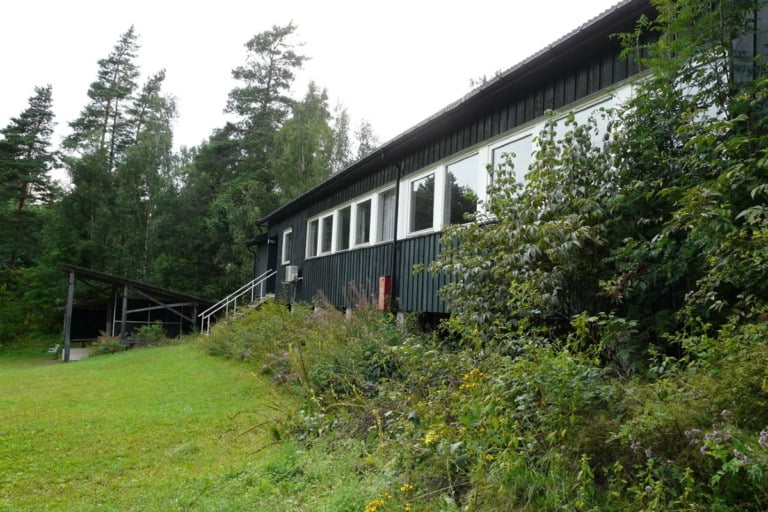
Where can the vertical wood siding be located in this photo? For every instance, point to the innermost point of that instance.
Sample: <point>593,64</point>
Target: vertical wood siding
<point>335,275</point>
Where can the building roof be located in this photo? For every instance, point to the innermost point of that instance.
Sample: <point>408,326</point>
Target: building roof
<point>155,291</point>
<point>589,37</point>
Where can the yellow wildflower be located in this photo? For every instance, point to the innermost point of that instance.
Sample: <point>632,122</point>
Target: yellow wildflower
<point>407,487</point>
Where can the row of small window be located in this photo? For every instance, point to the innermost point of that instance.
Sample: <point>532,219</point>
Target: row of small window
<point>446,194</point>
<point>371,220</point>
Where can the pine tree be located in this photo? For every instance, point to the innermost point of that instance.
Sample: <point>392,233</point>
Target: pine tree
<point>366,139</point>
<point>342,146</point>
<point>305,145</point>
<point>262,102</point>
<point>25,160</point>
<point>103,126</point>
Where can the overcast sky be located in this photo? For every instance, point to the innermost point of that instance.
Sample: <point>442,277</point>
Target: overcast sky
<point>393,63</point>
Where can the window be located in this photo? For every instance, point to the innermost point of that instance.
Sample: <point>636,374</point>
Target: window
<point>287,239</point>
<point>312,232</point>
<point>422,203</point>
<point>518,152</point>
<point>363,222</point>
<point>326,233</point>
<point>462,189</point>
<point>345,218</point>
<point>387,206</point>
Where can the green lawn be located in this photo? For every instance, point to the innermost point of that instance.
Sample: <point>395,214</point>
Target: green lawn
<point>153,429</point>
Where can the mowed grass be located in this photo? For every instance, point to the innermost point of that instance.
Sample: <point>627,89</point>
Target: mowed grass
<point>152,429</point>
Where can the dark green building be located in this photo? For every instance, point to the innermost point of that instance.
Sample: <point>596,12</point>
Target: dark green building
<point>356,236</point>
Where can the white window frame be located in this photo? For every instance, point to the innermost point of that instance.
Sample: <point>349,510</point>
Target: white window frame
<point>337,228</point>
<point>321,233</point>
<point>531,132</point>
<point>317,239</point>
<point>406,203</point>
<point>377,213</point>
<point>481,194</point>
<point>285,255</point>
<point>353,223</point>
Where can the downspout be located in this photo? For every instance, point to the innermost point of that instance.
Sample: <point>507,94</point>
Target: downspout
<point>255,261</point>
<point>393,271</point>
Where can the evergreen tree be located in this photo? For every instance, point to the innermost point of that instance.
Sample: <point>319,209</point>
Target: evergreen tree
<point>366,139</point>
<point>342,147</point>
<point>104,126</point>
<point>304,146</point>
<point>25,160</point>
<point>262,102</point>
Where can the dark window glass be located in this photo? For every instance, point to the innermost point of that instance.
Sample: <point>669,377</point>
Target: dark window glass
<point>363,220</point>
<point>326,234</point>
<point>312,238</point>
<point>386,221</point>
<point>461,191</point>
<point>345,218</point>
<point>287,242</point>
<point>422,203</point>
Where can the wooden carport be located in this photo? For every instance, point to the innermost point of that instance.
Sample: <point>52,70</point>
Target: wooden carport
<point>115,291</point>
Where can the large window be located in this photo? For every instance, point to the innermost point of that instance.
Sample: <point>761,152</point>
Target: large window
<point>363,222</point>
<point>312,232</point>
<point>386,220</point>
<point>345,219</point>
<point>518,152</point>
<point>422,203</point>
<point>326,233</point>
<point>287,245</point>
<point>462,189</point>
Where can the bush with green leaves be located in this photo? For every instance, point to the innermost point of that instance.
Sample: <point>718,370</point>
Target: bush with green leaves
<point>107,345</point>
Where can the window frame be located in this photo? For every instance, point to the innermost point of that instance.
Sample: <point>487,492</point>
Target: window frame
<point>355,222</point>
<point>378,223</point>
<point>321,233</point>
<point>307,252</point>
<point>481,184</point>
<point>435,172</point>
<point>286,248</point>
<point>338,238</point>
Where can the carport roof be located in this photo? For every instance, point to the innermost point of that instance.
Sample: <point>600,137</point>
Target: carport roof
<point>155,291</point>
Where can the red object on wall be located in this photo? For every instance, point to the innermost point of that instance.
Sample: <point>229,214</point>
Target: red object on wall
<point>385,291</point>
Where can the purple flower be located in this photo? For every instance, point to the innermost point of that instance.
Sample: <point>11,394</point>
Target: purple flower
<point>648,489</point>
<point>763,440</point>
<point>741,457</point>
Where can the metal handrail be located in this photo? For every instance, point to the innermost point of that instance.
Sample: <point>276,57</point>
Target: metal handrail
<point>232,298</point>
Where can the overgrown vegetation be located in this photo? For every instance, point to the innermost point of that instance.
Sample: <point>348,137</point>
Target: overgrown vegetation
<point>608,342</point>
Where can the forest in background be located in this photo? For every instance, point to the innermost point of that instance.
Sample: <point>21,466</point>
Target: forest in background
<point>134,206</point>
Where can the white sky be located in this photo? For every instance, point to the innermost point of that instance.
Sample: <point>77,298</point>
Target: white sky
<point>393,63</point>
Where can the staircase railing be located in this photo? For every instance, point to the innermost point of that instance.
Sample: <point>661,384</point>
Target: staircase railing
<point>229,303</point>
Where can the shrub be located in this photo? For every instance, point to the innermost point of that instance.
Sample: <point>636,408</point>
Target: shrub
<point>106,345</point>
<point>152,334</point>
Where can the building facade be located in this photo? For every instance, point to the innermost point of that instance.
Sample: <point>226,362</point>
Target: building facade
<point>357,236</point>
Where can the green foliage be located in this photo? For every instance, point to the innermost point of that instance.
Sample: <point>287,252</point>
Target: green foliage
<point>537,257</point>
<point>152,334</point>
<point>26,190</point>
<point>107,345</point>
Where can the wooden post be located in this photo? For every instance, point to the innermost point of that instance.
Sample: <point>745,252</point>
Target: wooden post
<point>125,313</point>
<point>68,315</point>
<point>110,312</point>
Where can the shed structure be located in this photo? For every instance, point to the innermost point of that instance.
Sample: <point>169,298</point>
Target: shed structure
<point>117,306</point>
